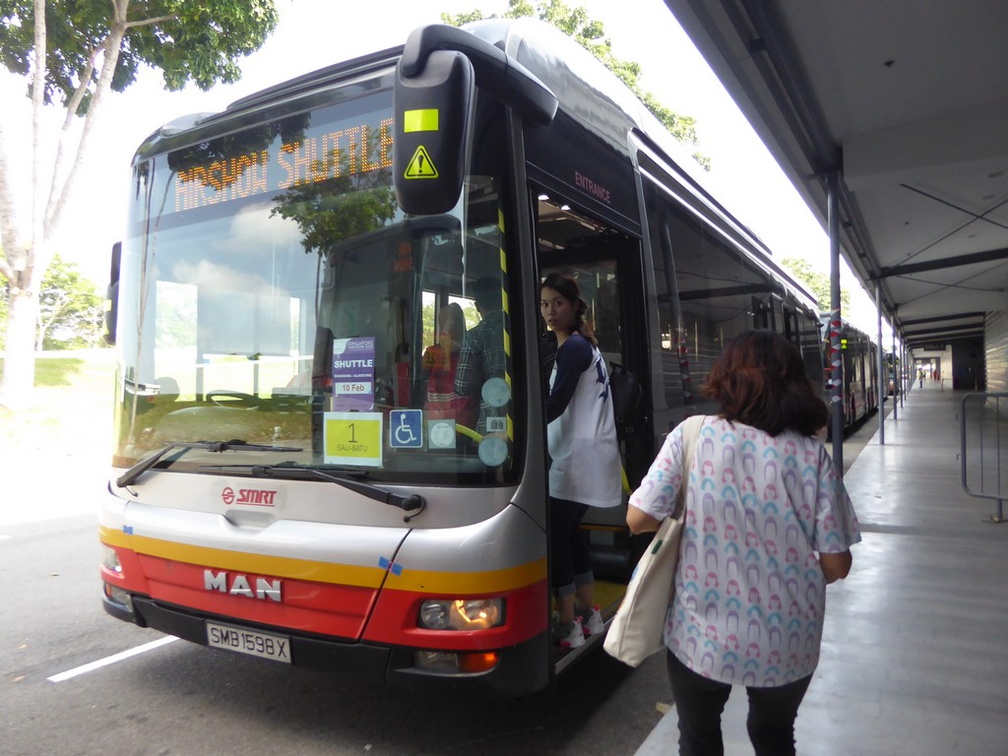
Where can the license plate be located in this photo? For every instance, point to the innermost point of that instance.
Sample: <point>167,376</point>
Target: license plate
<point>251,642</point>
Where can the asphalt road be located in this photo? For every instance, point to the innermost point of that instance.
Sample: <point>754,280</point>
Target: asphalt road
<point>179,699</point>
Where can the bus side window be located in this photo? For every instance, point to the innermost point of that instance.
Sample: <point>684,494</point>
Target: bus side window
<point>665,344</point>
<point>720,293</point>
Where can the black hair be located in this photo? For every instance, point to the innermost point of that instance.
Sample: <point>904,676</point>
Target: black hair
<point>487,293</point>
<point>568,288</point>
<point>760,380</point>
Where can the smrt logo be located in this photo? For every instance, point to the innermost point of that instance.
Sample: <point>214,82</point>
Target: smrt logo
<point>256,497</point>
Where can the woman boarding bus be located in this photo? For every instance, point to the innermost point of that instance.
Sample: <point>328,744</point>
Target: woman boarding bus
<point>282,267</point>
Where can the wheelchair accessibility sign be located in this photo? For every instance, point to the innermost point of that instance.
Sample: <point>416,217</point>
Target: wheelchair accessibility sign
<point>406,429</point>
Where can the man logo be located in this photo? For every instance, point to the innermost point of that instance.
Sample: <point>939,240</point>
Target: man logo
<point>241,585</point>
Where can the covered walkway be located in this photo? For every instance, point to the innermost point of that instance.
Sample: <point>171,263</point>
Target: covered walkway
<point>913,657</point>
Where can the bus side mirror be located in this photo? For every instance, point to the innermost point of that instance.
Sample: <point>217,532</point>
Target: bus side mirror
<point>112,296</point>
<point>433,122</point>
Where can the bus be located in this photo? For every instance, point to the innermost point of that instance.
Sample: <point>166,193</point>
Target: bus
<point>278,487</point>
<point>892,363</point>
<point>859,372</point>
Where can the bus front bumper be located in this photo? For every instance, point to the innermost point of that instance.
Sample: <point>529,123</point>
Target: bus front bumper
<point>520,669</point>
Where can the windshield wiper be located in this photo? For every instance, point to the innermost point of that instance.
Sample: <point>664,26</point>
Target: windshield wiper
<point>410,503</point>
<point>148,462</point>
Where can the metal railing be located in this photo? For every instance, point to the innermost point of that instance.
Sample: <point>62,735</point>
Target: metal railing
<point>983,425</point>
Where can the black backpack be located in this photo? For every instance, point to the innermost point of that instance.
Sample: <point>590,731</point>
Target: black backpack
<point>627,398</point>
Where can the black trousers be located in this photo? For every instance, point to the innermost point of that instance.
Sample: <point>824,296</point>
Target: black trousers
<point>699,702</point>
<point>569,550</point>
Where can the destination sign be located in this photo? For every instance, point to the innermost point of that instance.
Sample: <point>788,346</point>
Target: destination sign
<point>350,151</point>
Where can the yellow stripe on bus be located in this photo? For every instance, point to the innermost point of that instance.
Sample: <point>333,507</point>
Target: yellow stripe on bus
<point>489,581</point>
<point>261,564</point>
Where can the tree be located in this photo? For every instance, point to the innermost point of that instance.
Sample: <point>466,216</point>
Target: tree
<point>342,207</point>
<point>72,52</point>
<point>816,281</point>
<point>71,314</point>
<point>590,34</point>
<point>4,294</point>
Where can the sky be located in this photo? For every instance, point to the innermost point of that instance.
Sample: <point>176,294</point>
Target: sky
<point>316,33</point>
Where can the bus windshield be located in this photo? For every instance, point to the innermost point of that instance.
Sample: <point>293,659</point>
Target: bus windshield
<point>274,293</point>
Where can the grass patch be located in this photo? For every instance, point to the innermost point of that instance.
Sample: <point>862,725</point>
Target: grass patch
<point>57,372</point>
<point>70,409</point>
<point>87,371</point>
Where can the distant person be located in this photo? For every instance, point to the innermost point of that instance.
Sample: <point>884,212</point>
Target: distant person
<point>482,356</point>
<point>586,468</point>
<point>440,362</point>
<point>768,525</point>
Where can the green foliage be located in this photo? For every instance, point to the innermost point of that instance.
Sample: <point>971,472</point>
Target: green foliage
<point>188,40</point>
<point>71,314</point>
<point>590,34</point>
<point>329,212</point>
<point>816,281</point>
<point>340,208</point>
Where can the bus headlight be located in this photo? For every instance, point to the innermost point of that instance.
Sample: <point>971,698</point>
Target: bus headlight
<point>461,614</point>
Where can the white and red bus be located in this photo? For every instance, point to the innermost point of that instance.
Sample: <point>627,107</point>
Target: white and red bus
<point>280,487</point>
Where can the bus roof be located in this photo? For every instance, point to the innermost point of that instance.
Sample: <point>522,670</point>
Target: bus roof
<point>603,104</point>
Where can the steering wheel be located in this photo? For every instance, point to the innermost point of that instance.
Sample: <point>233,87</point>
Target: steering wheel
<point>231,398</point>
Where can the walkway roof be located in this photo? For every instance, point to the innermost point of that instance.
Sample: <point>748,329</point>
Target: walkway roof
<point>908,101</point>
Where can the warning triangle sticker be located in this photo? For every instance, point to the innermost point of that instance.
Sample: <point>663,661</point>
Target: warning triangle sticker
<point>420,165</point>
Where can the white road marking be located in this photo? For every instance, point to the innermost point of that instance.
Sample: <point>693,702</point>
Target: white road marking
<point>90,667</point>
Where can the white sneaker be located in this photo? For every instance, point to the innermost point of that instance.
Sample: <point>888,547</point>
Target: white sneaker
<point>569,635</point>
<point>592,622</point>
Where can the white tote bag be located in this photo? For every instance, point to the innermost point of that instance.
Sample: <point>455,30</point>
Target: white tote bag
<point>637,628</point>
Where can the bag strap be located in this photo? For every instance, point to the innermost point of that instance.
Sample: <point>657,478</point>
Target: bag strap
<point>691,434</point>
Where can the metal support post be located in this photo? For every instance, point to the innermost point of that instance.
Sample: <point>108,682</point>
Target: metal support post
<point>836,323</point>
<point>905,352</point>
<point>883,377</point>
<point>897,371</point>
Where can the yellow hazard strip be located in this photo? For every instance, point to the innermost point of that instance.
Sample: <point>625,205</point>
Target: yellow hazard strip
<point>506,307</point>
<point>500,227</point>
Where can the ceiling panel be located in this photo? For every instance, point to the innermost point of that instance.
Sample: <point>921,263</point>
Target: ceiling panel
<point>907,104</point>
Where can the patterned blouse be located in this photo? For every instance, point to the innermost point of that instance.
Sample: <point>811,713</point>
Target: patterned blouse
<point>750,594</point>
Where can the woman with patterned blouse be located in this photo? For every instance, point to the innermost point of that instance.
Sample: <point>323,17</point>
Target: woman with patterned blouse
<point>768,525</point>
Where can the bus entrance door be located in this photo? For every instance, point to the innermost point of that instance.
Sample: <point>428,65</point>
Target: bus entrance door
<point>606,265</point>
